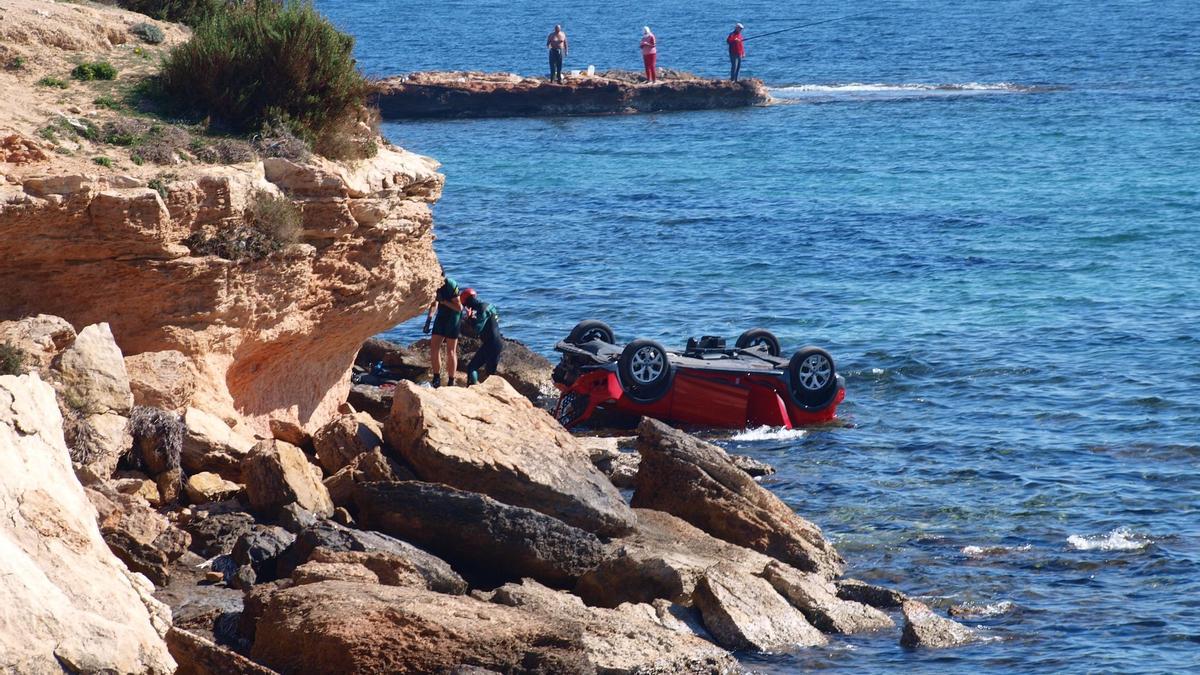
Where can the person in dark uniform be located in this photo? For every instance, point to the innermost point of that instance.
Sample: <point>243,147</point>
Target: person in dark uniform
<point>446,330</point>
<point>482,321</point>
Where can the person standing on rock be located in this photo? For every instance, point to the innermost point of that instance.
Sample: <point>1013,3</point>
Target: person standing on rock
<point>649,53</point>
<point>556,42</point>
<point>446,330</point>
<point>737,50</point>
<point>483,321</point>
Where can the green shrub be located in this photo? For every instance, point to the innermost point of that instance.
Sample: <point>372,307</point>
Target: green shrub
<point>190,12</point>
<point>49,81</point>
<point>12,359</point>
<point>15,63</point>
<point>98,70</point>
<point>161,183</point>
<point>103,161</point>
<point>107,102</point>
<point>148,33</point>
<point>270,224</point>
<point>265,63</point>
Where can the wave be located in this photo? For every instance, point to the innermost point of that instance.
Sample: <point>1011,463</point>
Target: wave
<point>1120,539</point>
<point>902,90</point>
<point>985,551</point>
<point>974,611</point>
<point>765,433</point>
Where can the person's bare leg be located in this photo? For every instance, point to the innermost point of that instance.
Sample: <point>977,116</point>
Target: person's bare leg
<point>451,359</point>
<point>435,354</point>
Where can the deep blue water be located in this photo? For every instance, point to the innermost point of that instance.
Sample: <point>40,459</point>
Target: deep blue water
<point>1007,271</point>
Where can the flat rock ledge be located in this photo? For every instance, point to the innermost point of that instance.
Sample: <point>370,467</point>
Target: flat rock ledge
<point>468,94</point>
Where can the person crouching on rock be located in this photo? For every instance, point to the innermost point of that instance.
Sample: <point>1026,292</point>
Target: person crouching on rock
<point>649,53</point>
<point>556,42</point>
<point>482,321</point>
<point>737,51</point>
<point>445,331</point>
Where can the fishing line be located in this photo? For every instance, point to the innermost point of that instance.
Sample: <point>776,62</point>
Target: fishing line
<point>806,25</point>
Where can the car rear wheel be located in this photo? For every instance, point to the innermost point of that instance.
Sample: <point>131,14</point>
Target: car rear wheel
<point>813,377</point>
<point>645,370</point>
<point>759,337</point>
<point>587,331</point>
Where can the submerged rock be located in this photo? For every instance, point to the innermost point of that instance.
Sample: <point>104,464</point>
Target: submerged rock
<point>923,628</point>
<point>817,598</point>
<point>696,481</point>
<point>490,439</point>
<point>869,594</point>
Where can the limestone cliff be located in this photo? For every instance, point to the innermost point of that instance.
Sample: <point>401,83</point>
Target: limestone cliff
<point>104,241</point>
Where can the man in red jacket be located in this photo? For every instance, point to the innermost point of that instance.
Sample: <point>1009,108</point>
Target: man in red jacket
<point>736,51</point>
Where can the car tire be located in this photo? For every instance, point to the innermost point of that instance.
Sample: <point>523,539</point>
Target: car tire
<point>757,337</point>
<point>813,378</point>
<point>586,331</point>
<point>645,370</point>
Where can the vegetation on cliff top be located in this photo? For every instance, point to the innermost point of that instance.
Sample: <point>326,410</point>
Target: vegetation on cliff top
<point>270,224</point>
<point>12,359</point>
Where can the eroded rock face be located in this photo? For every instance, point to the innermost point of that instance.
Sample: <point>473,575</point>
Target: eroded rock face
<point>209,444</point>
<point>141,537</point>
<point>272,339</point>
<point>745,612</point>
<point>923,628</point>
<point>342,627</point>
<point>41,337</point>
<point>68,602</point>
<point>490,439</point>
<point>696,481</point>
<point>163,379</point>
<point>92,373</point>
<point>461,526</point>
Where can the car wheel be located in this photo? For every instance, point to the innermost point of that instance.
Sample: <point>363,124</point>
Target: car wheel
<point>570,408</point>
<point>645,370</point>
<point>586,331</point>
<point>813,377</point>
<point>760,337</point>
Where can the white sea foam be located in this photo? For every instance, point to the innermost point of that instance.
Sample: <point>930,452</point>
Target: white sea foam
<point>1120,539</point>
<point>765,433</point>
<point>872,87</point>
<point>983,551</point>
<point>877,371</point>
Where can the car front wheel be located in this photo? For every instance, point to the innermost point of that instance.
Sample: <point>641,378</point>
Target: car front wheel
<point>813,377</point>
<point>587,331</point>
<point>645,370</point>
<point>759,337</point>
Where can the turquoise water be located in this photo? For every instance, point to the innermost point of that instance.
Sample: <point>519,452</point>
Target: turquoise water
<point>989,212</point>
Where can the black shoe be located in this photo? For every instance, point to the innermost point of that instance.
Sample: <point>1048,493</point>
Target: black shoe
<point>436,381</point>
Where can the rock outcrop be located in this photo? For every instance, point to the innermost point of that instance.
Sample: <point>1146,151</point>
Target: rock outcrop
<point>696,481</point>
<point>141,537</point>
<point>745,612</point>
<point>458,94</point>
<point>490,439</point>
<point>68,603</point>
<point>817,598</point>
<point>923,628</point>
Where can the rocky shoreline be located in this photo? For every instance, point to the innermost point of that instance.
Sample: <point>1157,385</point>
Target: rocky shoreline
<point>473,95</point>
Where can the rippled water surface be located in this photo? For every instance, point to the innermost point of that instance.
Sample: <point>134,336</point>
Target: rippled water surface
<point>989,212</point>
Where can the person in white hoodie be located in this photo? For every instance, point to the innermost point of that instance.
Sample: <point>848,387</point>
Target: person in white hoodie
<point>649,53</point>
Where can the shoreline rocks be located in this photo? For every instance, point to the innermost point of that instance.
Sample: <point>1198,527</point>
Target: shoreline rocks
<point>466,95</point>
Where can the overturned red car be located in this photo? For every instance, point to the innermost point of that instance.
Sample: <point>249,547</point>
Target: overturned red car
<point>706,384</point>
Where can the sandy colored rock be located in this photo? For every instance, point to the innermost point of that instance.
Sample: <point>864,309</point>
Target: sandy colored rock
<point>490,439</point>
<point>924,628</point>
<point>340,442</point>
<point>313,571</point>
<point>663,558</point>
<point>101,440</point>
<point>164,379</point>
<point>206,487</point>
<point>695,480</point>
<point>478,534</point>
<point>745,612</point>
<point>368,467</point>
<point>41,337</point>
<point>276,474</point>
<point>816,597</point>
<point>68,601</point>
<point>209,444</point>
<point>93,375</point>
<point>628,639</point>
<point>342,627</point>
<point>197,655</point>
<point>141,537</point>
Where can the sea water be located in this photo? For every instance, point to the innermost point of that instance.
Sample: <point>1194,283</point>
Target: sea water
<point>989,212</point>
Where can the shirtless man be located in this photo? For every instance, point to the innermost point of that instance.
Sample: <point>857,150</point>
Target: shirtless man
<point>556,42</point>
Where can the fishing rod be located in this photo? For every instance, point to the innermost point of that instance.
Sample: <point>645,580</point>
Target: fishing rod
<point>806,25</point>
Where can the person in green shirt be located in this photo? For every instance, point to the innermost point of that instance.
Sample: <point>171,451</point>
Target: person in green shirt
<point>446,330</point>
<point>483,321</point>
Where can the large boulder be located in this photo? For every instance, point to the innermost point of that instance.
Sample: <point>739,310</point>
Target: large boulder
<point>490,439</point>
<point>923,628</point>
<point>663,558</point>
<point>370,467</point>
<point>343,627</point>
<point>628,639</point>
<point>696,481</point>
<point>394,562</point>
<point>41,338</point>
<point>215,534</point>
<point>69,603</point>
<point>164,379</point>
<point>744,612</point>
<point>260,548</point>
<point>209,444</point>
<point>197,655</point>
<point>479,534</point>
<point>816,597</point>
<point>277,474</point>
<point>141,537</point>
<point>340,442</point>
<point>96,443</point>
<point>92,373</point>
